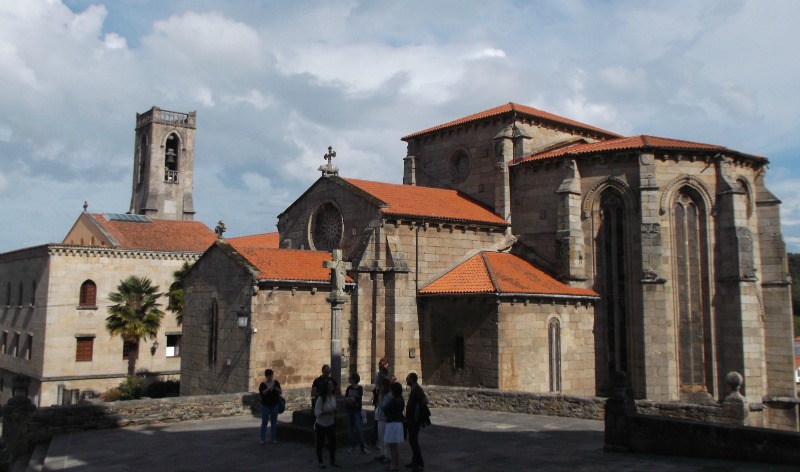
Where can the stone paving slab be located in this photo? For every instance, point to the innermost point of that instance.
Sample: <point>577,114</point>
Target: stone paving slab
<point>460,440</point>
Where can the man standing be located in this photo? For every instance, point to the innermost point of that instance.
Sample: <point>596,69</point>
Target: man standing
<point>416,398</point>
<point>316,387</point>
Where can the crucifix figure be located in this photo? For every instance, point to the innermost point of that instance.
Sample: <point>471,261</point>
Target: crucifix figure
<point>329,168</point>
<point>339,268</point>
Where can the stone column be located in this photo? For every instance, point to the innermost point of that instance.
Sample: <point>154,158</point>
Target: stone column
<point>656,372</point>
<point>569,235</point>
<point>337,300</point>
<point>503,153</point>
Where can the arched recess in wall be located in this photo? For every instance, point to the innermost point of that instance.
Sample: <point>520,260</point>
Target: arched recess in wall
<point>172,155</point>
<point>691,290</point>
<point>610,204</point>
<point>213,332</point>
<point>554,351</point>
<point>88,294</point>
<point>667,196</point>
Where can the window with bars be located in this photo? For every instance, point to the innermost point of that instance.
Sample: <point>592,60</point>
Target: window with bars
<point>15,347</point>
<point>84,348</point>
<point>88,294</point>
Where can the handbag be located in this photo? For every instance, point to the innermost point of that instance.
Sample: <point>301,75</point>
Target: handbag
<point>281,404</point>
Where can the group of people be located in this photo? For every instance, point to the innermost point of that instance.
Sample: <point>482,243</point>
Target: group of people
<point>394,417</point>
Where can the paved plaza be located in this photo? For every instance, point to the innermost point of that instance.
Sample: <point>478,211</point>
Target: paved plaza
<point>460,440</point>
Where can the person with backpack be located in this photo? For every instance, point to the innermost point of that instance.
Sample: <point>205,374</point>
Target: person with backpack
<point>417,403</point>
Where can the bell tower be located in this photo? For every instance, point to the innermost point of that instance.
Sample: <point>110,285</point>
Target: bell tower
<point>164,165</point>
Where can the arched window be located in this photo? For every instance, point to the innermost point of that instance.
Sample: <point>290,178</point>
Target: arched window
<point>690,276</point>
<point>8,293</point>
<point>171,156</point>
<point>612,279</point>
<point>20,294</point>
<point>33,293</point>
<point>554,342</point>
<point>88,294</point>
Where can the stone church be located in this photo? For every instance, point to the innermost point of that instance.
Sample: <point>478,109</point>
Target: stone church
<point>524,251</point>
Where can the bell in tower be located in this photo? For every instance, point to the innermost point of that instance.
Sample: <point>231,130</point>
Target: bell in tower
<point>164,165</point>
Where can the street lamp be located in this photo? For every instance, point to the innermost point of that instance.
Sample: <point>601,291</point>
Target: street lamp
<point>243,320</point>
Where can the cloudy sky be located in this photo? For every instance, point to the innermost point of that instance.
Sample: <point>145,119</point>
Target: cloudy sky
<point>275,83</point>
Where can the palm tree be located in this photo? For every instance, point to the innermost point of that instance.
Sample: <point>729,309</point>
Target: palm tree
<point>136,313</point>
<point>176,292</point>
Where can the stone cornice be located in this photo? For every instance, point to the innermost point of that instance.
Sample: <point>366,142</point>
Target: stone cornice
<point>67,250</point>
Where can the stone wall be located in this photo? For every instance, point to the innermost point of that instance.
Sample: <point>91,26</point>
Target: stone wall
<point>660,435</point>
<point>516,402</point>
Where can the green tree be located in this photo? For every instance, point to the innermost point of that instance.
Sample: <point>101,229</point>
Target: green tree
<point>135,313</point>
<point>176,292</point>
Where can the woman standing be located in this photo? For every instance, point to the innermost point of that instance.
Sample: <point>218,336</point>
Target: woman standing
<point>270,390</point>
<point>384,397</point>
<point>325,426</point>
<point>394,425</point>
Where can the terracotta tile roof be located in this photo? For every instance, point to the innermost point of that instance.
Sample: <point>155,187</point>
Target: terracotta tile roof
<point>509,108</point>
<point>158,235</point>
<point>640,142</point>
<point>264,240</point>
<point>287,264</point>
<point>427,202</point>
<point>500,273</point>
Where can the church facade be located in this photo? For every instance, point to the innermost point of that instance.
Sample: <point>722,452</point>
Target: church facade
<point>527,251</point>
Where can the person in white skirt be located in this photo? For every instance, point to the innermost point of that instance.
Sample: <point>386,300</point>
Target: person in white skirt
<point>393,435</point>
<point>384,396</point>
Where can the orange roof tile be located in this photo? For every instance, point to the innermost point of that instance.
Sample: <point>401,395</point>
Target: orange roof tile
<point>509,108</point>
<point>287,264</point>
<point>157,235</point>
<point>500,273</point>
<point>631,143</point>
<point>264,240</point>
<point>427,202</point>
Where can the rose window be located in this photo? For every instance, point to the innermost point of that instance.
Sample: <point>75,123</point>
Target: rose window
<point>327,228</point>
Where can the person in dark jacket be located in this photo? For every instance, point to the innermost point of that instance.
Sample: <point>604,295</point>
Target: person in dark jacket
<point>416,398</point>
<point>270,390</point>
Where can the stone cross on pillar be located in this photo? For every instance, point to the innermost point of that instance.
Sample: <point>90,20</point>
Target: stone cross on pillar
<point>339,269</point>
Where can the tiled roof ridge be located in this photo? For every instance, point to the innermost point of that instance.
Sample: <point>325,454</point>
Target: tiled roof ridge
<point>490,271</point>
<point>512,107</point>
<point>640,141</point>
<point>395,206</point>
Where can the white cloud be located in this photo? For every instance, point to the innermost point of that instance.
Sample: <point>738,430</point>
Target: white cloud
<point>274,85</point>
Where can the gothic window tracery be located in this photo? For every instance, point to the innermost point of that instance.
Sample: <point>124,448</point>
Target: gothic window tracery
<point>327,228</point>
<point>612,280</point>
<point>459,166</point>
<point>691,272</point>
